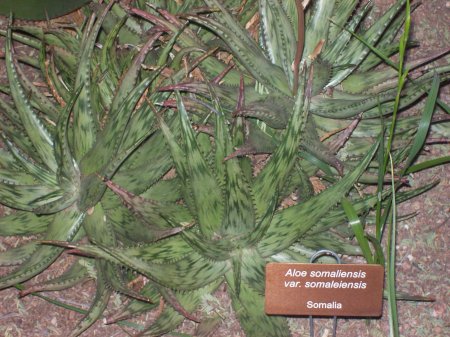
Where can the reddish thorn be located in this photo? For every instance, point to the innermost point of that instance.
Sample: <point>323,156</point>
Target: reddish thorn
<point>224,72</point>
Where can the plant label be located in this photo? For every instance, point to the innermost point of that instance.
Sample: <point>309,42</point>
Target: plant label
<point>313,289</point>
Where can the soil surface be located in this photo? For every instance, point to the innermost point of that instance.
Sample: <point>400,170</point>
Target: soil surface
<point>422,260</point>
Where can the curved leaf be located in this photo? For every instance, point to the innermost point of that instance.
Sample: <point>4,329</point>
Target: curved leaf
<point>249,307</point>
<point>64,227</point>
<point>23,223</point>
<point>35,127</point>
<point>281,233</point>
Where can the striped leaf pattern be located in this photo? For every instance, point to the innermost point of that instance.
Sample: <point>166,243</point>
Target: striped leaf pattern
<point>179,134</point>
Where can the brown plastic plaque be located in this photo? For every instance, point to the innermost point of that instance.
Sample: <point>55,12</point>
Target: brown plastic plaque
<point>314,289</point>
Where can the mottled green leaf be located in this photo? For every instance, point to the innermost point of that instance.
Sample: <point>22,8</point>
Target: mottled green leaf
<point>100,301</point>
<point>24,223</point>
<point>85,119</point>
<point>36,129</point>
<point>278,35</point>
<point>64,226</point>
<point>245,49</point>
<point>249,308</point>
<point>169,319</point>
<point>76,274</point>
<point>274,174</point>
<point>356,51</point>
<point>18,255</point>
<point>318,24</point>
<point>292,223</point>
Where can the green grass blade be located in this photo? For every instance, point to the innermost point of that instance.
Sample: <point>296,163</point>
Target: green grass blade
<point>381,173</point>
<point>335,48</point>
<point>425,122</point>
<point>374,49</point>
<point>317,163</point>
<point>342,14</point>
<point>444,106</point>
<point>358,230</point>
<point>428,164</point>
<point>402,76</point>
<point>378,250</point>
<point>391,251</point>
<point>357,50</point>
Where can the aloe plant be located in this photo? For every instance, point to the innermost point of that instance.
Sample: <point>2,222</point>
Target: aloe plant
<point>308,94</point>
<point>346,85</point>
<point>56,156</point>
